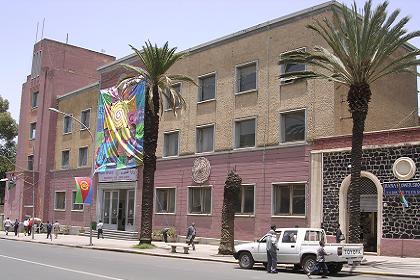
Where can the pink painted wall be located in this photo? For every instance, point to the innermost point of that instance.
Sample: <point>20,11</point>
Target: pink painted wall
<point>400,247</point>
<point>289,164</point>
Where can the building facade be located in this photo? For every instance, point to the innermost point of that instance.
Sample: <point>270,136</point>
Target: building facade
<point>240,117</point>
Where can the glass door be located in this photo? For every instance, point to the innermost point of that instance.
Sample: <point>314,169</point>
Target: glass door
<point>129,226</point>
<point>110,209</point>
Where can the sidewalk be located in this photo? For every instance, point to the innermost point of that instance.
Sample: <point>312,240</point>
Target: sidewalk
<point>376,265</point>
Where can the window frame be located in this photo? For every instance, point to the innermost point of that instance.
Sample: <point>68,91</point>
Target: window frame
<point>166,103</point>
<point>211,200</point>
<point>243,198</point>
<point>55,201</point>
<point>155,210</point>
<point>235,121</point>
<point>71,124</point>
<point>289,184</point>
<point>243,65</point>
<point>68,165</point>
<point>87,157</point>
<point>287,81</point>
<point>30,131</point>
<point>196,136</point>
<point>282,133</point>
<point>164,146</point>
<point>199,93</point>
<point>32,99</point>
<point>32,160</point>
<point>81,113</point>
<point>73,203</point>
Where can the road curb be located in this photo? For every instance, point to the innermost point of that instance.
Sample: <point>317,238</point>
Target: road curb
<point>179,256</point>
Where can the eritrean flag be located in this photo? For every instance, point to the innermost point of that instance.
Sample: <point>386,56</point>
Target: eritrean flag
<point>84,190</point>
<point>403,201</point>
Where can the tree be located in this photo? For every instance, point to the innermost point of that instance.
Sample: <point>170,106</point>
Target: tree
<point>8,132</point>
<point>230,200</point>
<point>156,63</point>
<point>363,51</point>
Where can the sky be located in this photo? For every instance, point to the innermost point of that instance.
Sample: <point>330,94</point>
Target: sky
<point>110,25</point>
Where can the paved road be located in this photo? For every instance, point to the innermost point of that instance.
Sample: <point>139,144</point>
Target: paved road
<point>18,260</point>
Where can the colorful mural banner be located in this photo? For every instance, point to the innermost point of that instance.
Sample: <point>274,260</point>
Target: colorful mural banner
<point>120,128</point>
<point>84,190</point>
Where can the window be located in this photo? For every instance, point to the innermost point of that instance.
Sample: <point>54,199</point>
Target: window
<point>75,206</point>
<point>36,64</point>
<point>205,136</point>
<point>290,68</point>
<point>83,155</point>
<point>67,124</point>
<point>31,162</point>
<point>289,236</point>
<point>165,200</point>
<point>199,200</point>
<point>246,200</point>
<point>170,144</point>
<point>85,119</point>
<point>177,88</point>
<point>60,201</point>
<point>289,200</point>
<point>245,133</point>
<point>292,126</point>
<point>32,131</point>
<point>246,77</point>
<point>207,89</point>
<point>65,157</point>
<point>34,100</point>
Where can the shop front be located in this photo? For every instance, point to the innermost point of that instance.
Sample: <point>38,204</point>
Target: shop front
<point>116,199</point>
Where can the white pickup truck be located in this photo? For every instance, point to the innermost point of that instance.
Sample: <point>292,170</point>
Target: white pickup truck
<point>298,246</point>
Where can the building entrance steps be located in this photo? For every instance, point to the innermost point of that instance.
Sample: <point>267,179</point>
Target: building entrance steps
<point>114,234</point>
<point>375,265</point>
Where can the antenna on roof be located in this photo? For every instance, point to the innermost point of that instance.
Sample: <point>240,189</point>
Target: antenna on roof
<point>42,32</point>
<point>36,35</point>
<point>67,38</point>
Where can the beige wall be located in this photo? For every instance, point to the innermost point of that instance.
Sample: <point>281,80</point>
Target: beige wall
<point>74,105</point>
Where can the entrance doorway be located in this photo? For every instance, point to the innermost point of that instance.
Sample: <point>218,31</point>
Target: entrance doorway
<point>368,214</point>
<point>118,209</point>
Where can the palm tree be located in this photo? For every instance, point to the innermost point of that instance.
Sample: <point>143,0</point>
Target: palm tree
<point>363,51</point>
<point>156,63</point>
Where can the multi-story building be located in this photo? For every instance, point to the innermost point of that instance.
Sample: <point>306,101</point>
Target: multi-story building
<point>242,117</point>
<point>57,68</point>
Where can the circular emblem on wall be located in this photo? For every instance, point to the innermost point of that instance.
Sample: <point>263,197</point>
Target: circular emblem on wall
<point>201,170</point>
<point>404,168</point>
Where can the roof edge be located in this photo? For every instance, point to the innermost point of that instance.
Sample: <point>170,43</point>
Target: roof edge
<point>77,91</point>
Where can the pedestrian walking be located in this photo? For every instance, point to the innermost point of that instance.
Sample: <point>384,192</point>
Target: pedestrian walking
<point>320,261</point>
<point>165,234</point>
<point>16,227</point>
<point>271,242</point>
<point>191,233</point>
<point>100,229</point>
<point>25,226</point>
<point>339,236</point>
<point>49,229</point>
<point>56,228</point>
<point>30,224</point>
<point>7,225</point>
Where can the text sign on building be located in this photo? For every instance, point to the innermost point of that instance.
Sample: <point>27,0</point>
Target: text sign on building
<point>407,187</point>
<point>116,175</point>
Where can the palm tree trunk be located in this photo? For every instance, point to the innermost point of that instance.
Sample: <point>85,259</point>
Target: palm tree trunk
<point>151,129</point>
<point>358,100</point>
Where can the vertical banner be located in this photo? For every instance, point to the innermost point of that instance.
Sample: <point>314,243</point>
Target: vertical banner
<point>120,128</point>
<point>84,190</point>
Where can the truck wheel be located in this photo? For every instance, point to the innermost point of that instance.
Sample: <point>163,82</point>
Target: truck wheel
<point>335,268</point>
<point>245,260</point>
<point>309,263</point>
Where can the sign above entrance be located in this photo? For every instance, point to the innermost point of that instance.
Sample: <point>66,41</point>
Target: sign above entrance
<point>407,187</point>
<point>118,175</point>
<point>201,170</point>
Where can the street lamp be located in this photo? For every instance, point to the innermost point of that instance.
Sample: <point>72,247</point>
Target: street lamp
<point>93,170</point>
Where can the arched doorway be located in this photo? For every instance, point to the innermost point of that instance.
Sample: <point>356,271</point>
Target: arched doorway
<point>370,208</point>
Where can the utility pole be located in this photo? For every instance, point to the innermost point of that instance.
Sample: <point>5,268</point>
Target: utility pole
<point>33,193</point>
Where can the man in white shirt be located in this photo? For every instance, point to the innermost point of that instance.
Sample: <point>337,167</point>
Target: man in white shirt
<point>7,225</point>
<point>100,227</point>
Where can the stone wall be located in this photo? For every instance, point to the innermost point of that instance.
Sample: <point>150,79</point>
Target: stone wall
<point>397,223</point>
